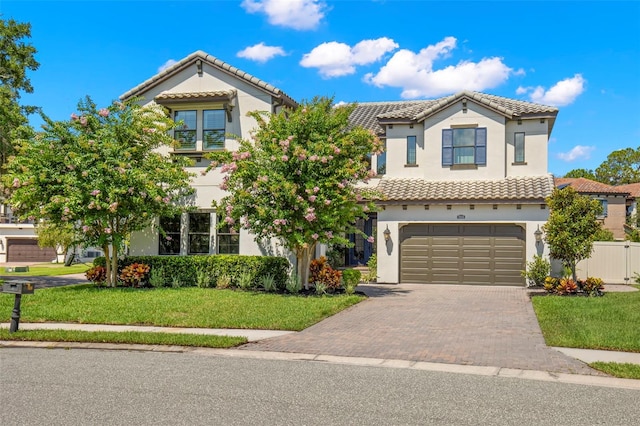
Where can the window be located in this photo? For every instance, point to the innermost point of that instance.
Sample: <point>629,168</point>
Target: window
<point>199,233</point>
<point>605,206</point>
<point>186,133</point>
<point>170,241</point>
<point>464,146</point>
<point>518,142</point>
<point>411,150</point>
<point>228,241</point>
<point>382,161</point>
<point>213,129</point>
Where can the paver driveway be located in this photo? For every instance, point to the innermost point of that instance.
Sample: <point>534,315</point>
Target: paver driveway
<point>484,326</point>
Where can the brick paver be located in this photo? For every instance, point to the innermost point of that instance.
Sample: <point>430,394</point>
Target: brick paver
<point>483,326</point>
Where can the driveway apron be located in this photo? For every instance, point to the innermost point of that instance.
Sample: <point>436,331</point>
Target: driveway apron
<point>482,326</point>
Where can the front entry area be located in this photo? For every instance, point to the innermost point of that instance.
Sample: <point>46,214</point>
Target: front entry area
<point>479,254</point>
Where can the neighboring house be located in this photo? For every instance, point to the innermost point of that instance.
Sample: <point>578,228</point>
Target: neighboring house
<point>18,240</point>
<point>632,200</point>
<point>212,99</point>
<point>463,179</point>
<point>612,198</point>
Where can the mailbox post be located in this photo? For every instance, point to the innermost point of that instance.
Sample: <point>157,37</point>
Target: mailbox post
<point>18,288</point>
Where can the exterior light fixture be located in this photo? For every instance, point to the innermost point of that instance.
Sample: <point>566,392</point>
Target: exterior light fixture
<point>387,234</point>
<point>538,235</point>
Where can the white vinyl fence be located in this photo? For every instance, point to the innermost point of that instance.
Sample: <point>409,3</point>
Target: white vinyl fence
<point>616,262</point>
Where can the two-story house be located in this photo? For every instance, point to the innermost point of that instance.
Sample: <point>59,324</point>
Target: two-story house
<point>463,179</point>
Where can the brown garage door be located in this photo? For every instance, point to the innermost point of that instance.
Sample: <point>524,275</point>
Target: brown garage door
<point>462,254</point>
<point>27,250</point>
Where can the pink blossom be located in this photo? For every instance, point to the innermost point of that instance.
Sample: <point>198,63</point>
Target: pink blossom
<point>66,210</point>
<point>358,197</point>
<point>143,194</point>
<point>166,200</point>
<point>95,192</point>
<point>329,234</point>
<point>168,238</point>
<point>285,158</point>
<point>300,199</point>
<point>312,198</point>
<point>323,159</point>
<point>244,155</point>
<point>315,236</point>
<point>70,166</point>
<point>284,144</point>
<point>298,172</point>
<point>113,207</point>
<point>316,189</point>
<point>302,156</point>
<point>149,130</point>
<point>229,220</point>
<point>370,239</point>
<point>310,216</point>
<point>365,208</point>
<point>16,183</point>
<point>103,112</point>
<point>83,120</point>
<point>74,117</point>
<point>130,190</point>
<point>327,202</point>
<point>107,230</point>
<point>85,173</point>
<point>121,170</point>
<point>263,178</point>
<point>313,158</point>
<point>85,229</point>
<point>91,205</point>
<point>336,150</point>
<point>330,157</point>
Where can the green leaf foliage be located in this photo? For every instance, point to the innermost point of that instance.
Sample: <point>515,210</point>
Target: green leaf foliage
<point>296,179</point>
<point>581,173</point>
<point>101,171</point>
<point>621,167</point>
<point>572,225</point>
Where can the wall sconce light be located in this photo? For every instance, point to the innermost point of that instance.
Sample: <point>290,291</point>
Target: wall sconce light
<point>538,235</point>
<point>387,234</point>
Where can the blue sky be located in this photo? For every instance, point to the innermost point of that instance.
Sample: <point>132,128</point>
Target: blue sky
<point>583,57</point>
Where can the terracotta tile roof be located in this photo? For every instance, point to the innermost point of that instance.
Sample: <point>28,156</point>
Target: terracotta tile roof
<point>588,186</point>
<point>216,63</point>
<point>368,114</point>
<point>632,188</point>
<point>521,188</point>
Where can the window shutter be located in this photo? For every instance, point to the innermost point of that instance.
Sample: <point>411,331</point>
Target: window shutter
<point>447,147</point>
<point>481,146</point>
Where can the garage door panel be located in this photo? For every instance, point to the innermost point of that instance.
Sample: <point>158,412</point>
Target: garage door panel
<point>462,254</point>
<point>27,250</point>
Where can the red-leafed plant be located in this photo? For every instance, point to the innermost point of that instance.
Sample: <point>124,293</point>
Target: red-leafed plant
<point>133,275</point>
<point>321,272</point>
<point>96,274</point>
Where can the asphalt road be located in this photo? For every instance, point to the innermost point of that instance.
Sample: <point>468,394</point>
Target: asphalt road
<point>90,387</point>
<point>46,282</point>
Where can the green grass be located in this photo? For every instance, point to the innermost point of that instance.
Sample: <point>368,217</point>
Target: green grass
<point>180,307</point>
<point>616,369</point>
<point>49,270</point>
<point>609,322</point>
<point>132,337</point>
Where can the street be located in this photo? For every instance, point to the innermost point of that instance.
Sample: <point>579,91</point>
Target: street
<point>91,387</point>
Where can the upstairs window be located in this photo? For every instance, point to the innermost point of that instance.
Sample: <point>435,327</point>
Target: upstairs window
<point>185,134</point>
<point>382,161</point>
<point>518,143</point>
<point>170,241</point>
<point>213,129</point>
<point>464,146</point>
<point>411,151</point>
<point>199,233</point>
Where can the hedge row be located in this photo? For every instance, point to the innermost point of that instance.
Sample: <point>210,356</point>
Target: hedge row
<point>185,268</point>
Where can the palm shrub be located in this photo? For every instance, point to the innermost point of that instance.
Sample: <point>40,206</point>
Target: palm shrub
<point>268,283</point>
<point>157,278</point>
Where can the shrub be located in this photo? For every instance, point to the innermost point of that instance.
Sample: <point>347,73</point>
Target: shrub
<point>245,281</point>
<point>175,282</point>
<point>550,284</point>
<point>185,267</point>
<point>321,288</point>
<point>134,274</point>
<point>566,286</point>
<point>156,277</point>
<point>203,279</point>
<point>349,289</point>
<point>603,235</point>
<point>268,283</point>
<point>537,271</point>
<point>223,281</point>
<point>592,286</point>
<point>351,277</point>
<point>96,274</point>
<point>372,274</point>
<point>321,272</point>
<point>294,284</point>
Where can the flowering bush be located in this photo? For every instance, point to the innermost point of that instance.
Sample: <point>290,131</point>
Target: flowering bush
<point>567,286</point>
<point>96,274</point>
<point>132,275</point>
<point>321,272</point>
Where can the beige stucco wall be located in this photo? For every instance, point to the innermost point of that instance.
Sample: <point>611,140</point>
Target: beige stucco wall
<point>535,146</point>
<point>393,217</point>
<point>616,216</point>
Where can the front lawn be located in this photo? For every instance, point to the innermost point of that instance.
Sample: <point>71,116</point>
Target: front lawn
<point>176,307</point>
<point>131,337</point>
<point>623,370</point>
<point>609,322</point>
<point>49,270</point>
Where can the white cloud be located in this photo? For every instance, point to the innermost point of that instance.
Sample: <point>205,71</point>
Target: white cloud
<point>415,73</point>
<point>521,90</point>
<point>562,93</point>
<point>339,104</point>
<point>261,52</point>
<point>296,14</point>
<point>169,63</point>
<point>579,152</point>
<point>335,59</point>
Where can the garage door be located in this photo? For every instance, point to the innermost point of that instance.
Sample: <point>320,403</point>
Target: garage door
<point>462,254</point>
<point>27,250</point>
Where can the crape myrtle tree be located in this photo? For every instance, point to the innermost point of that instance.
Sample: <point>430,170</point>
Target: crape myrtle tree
<point>296,179</point>
<point>16,58</point>
<point>101,172</point>
<point>572,226</point>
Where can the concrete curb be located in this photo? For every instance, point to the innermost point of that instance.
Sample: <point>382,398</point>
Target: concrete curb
<point>508,373</point>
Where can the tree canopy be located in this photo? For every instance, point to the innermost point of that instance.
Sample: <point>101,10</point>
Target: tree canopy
<point>620,168</point>
<point>16,58</point>
<point>296,179</point>
<point>572,226</point>
<point>101,172</point>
